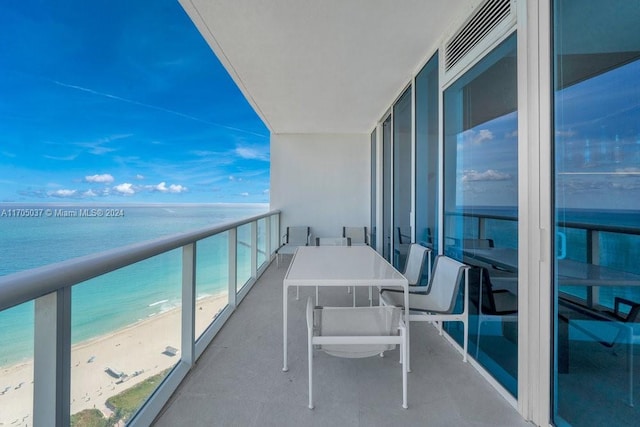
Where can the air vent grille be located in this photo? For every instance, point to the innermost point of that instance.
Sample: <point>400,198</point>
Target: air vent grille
<point>487,17</point>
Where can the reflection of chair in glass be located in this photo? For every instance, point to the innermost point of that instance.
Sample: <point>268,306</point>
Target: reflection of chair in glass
<point>497,305</point>
<point>358,235</point>
<point>438,302</point>
<point>478,243</point>
<point>626,322</point>
<point>330,241</point>
<point>629,332</point>
<point>355,332</point>
<point>293,238</point>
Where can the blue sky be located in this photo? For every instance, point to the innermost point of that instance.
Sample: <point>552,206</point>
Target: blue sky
<point>121,101</point>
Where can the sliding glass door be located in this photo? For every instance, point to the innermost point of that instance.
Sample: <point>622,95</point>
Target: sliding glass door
<point>427,152</point>
<point>481,205</point>
<point>401,179</point>
<point>597,212</point>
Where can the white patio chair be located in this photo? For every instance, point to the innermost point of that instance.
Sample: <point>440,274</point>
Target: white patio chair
<point>417,258</point>
<point>438,302</point>
<point>291,240</point>
<point>355,332</point>
<point>358,235</point>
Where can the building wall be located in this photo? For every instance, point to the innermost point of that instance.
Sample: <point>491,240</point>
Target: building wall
<point>321,181</point>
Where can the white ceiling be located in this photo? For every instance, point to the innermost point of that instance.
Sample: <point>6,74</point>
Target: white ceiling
<point>324,66</point>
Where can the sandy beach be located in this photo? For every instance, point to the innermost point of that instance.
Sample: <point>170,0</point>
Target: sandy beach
<point>137,351</point>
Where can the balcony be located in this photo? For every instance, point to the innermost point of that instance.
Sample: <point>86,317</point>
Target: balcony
<point>239,381</point>
<point>226,365</point>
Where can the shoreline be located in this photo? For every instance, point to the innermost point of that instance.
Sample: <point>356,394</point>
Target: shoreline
<point>139,350</point>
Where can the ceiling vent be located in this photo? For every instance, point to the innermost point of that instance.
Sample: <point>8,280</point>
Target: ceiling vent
<point>486,18</point>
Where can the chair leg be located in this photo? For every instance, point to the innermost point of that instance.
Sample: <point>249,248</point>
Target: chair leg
<point>465,324</point>
<point>403,352</point>
<point>370,296</point>
<point>354,296</point>
<point>317,296</point>
<point>297,293</point>
<point>310,351</point>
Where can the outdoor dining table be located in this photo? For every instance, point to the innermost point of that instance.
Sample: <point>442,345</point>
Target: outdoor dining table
<point>339,266</point>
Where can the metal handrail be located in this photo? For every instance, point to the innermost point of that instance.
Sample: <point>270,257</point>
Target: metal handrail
<point>568,224</point>
<point>23,286</point>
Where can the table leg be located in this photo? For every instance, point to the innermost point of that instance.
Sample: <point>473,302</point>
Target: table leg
<point>285,293</point>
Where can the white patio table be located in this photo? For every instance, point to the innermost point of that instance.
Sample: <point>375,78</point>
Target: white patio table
<point>339,266</point>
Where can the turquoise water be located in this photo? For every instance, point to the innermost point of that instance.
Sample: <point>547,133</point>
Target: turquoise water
<point>122,297</point>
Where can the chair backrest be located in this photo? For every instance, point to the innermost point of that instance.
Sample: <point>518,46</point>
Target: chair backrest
<point>355,322</point>
<point>298,236</point>
<point>414,267</point>
<point>444,285</point>
<point>358,235</point>
<point>477,243</point>
<point>333,241</point>
<point>481,290</point>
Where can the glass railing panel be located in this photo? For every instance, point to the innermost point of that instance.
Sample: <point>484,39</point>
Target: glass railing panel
<point>126,337</point>
<point>212,280</point>
<point>243,254</point>
<point>262,241</point>
<point>16,365</point>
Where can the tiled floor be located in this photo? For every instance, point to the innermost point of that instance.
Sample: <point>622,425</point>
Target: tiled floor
<point>238,381</point>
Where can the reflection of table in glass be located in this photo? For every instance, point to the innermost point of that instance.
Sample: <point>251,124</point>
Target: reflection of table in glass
<point>570,272</point>
<point>339,266</point>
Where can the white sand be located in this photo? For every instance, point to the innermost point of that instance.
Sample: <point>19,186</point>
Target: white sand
<point>138,347</point>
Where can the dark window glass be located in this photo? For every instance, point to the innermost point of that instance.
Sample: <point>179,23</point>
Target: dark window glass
<point>597,212</point>
<point>481,205</point>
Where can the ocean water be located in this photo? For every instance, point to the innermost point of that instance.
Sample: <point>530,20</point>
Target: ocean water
<point>125,296</point>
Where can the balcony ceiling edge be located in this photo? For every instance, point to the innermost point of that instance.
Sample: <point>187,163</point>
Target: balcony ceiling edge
<point>323,67</point>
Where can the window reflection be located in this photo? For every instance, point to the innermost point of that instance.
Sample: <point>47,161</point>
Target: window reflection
<point>597,199</point>
<point>401,179</point>
<point>427,151</point>
<point>481,205</point>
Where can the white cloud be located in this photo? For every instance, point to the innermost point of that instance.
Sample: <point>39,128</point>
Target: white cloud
<point>125,189</point>
<point>252,153</point>
<point>89,193</point>
<point>476,137</point>
<point>267,191</point>
<point>488,175</point>
<point>233,178</point>
<point>63,193</point>
<point>173,188</point>
<point>139,177</point>
<point>105,178</point>
<point>245,194</point>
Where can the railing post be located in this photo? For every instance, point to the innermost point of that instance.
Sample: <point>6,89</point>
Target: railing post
<point>482,227</point>
<point>188,302</point>
<point>254,249</point>
<point>233,266</point>
<point>267,239</point>
<point>52,359</point>
<point>593,257</point>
